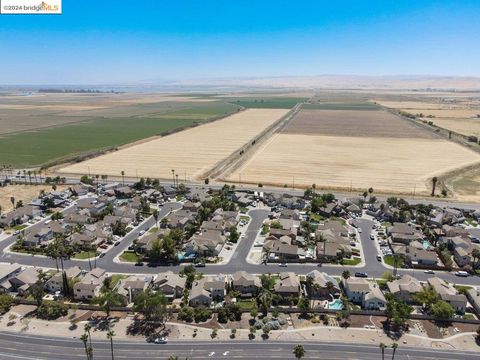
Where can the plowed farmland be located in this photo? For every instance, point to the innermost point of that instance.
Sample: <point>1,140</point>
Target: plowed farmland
<point>346,149</point>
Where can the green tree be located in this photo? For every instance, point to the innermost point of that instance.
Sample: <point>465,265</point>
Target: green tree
<point>442,310</point>
<point>346,274</point>
<point>6,302</point>
<point>298,351</point>
<point>427,297</point>
<point>234,235</point>
<point>397,311</point>
<point>153,305</point>
<point>51,310</point>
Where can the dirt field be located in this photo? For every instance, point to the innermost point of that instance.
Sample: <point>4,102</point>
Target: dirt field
<point>386,164</point>
<point>463,126</point>
<point>191,152</point>
<point>466,186</point>
<point>353,123</point>
<point>26,193</point>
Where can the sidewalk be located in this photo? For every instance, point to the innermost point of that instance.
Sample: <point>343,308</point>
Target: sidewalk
<point>184,332</point>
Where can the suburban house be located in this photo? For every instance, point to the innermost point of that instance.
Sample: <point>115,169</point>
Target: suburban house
<point>287,285</point>
<point>207,243</point>
<point>170,284</point>
<point>23,280</point>
<point>130,287</point>
<point>55,283</point>
<point>362,292</point>
<point>405,288</point>
<point>449,294</point>
<point>37,237</point>
<point>199,296</point>
<point>89,286</point>
<point>473,296</point>
<point>404,233</point>
<point>7,271</point>
<point>216,287</point>
<point>246,284</point>
<point>321,285</point>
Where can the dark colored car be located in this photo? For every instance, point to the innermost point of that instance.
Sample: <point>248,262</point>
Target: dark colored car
<point>361,274</point>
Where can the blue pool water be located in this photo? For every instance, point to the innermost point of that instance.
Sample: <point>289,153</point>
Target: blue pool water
<point>335,304</point>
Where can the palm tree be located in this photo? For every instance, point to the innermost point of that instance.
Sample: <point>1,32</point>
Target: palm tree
<point>298,351</point>
<point>434,184</point>
<point>110,335</point>
<point>155,216</point>
<point>84,339</point>
<point>123,177</point>
<point>0,209</point>
<point>346,274</point>
<point>382,347</point>
<point>87,329</point>
<point>29,177</point>
<point>394,348</point>
<point>12,200</point>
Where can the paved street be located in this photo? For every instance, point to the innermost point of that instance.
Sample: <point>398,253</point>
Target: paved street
<point>40,348</point>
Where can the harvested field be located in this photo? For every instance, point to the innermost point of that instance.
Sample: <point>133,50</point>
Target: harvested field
<point>353,123</point>
<point>388,164</point>
<point>462,126</point>
<point>191,152</point>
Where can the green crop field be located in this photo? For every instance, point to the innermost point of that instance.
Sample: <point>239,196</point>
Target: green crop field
<point>46,145</point>
<point>266,102</point>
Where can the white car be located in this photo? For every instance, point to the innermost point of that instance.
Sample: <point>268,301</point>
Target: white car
<point>359,230</point>
<point>462,273</point>
<point>141,233</point>
<point>160,340</point>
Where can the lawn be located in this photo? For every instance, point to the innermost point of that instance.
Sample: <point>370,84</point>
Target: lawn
<point>63,142</point>
<point>130,256</point>
<point>116,278</point>
<point>84,255</point>
<point>316,217</point>
<point>245,218</point>
<point>267,102</point>
<point>352,262</point>
<point>246,304</point>
<point>389,260</point>
<point>153,230</point>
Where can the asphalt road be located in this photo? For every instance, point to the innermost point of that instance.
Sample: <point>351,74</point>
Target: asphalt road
<point>28,347</point>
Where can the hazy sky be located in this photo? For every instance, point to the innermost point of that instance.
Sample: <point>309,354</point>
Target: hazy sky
<point>110,42</point>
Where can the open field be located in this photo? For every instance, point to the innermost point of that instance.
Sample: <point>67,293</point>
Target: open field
<point>341,106</point>
<point>72,135</point>
<point>386,164</point>
<point>26,193</point>
<point>191,152</point>
<point>450,113</point>
<point>353,123</point>
<point>462,126</point>
<point>466,185</point>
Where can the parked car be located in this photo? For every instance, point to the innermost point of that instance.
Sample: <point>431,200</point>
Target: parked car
<point>139,263</point>
<point>359,230</point>
<point>201,264</point>
<point>462,273</point>
<point>429,272</point>
<point>372,237</point>
<point>283,265</point>
<point>160,340</point>
<point>361,274</point>
<point>141,233</point>
<point>102,254</point>
<point>116,243</point>
<point>379,258</point>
